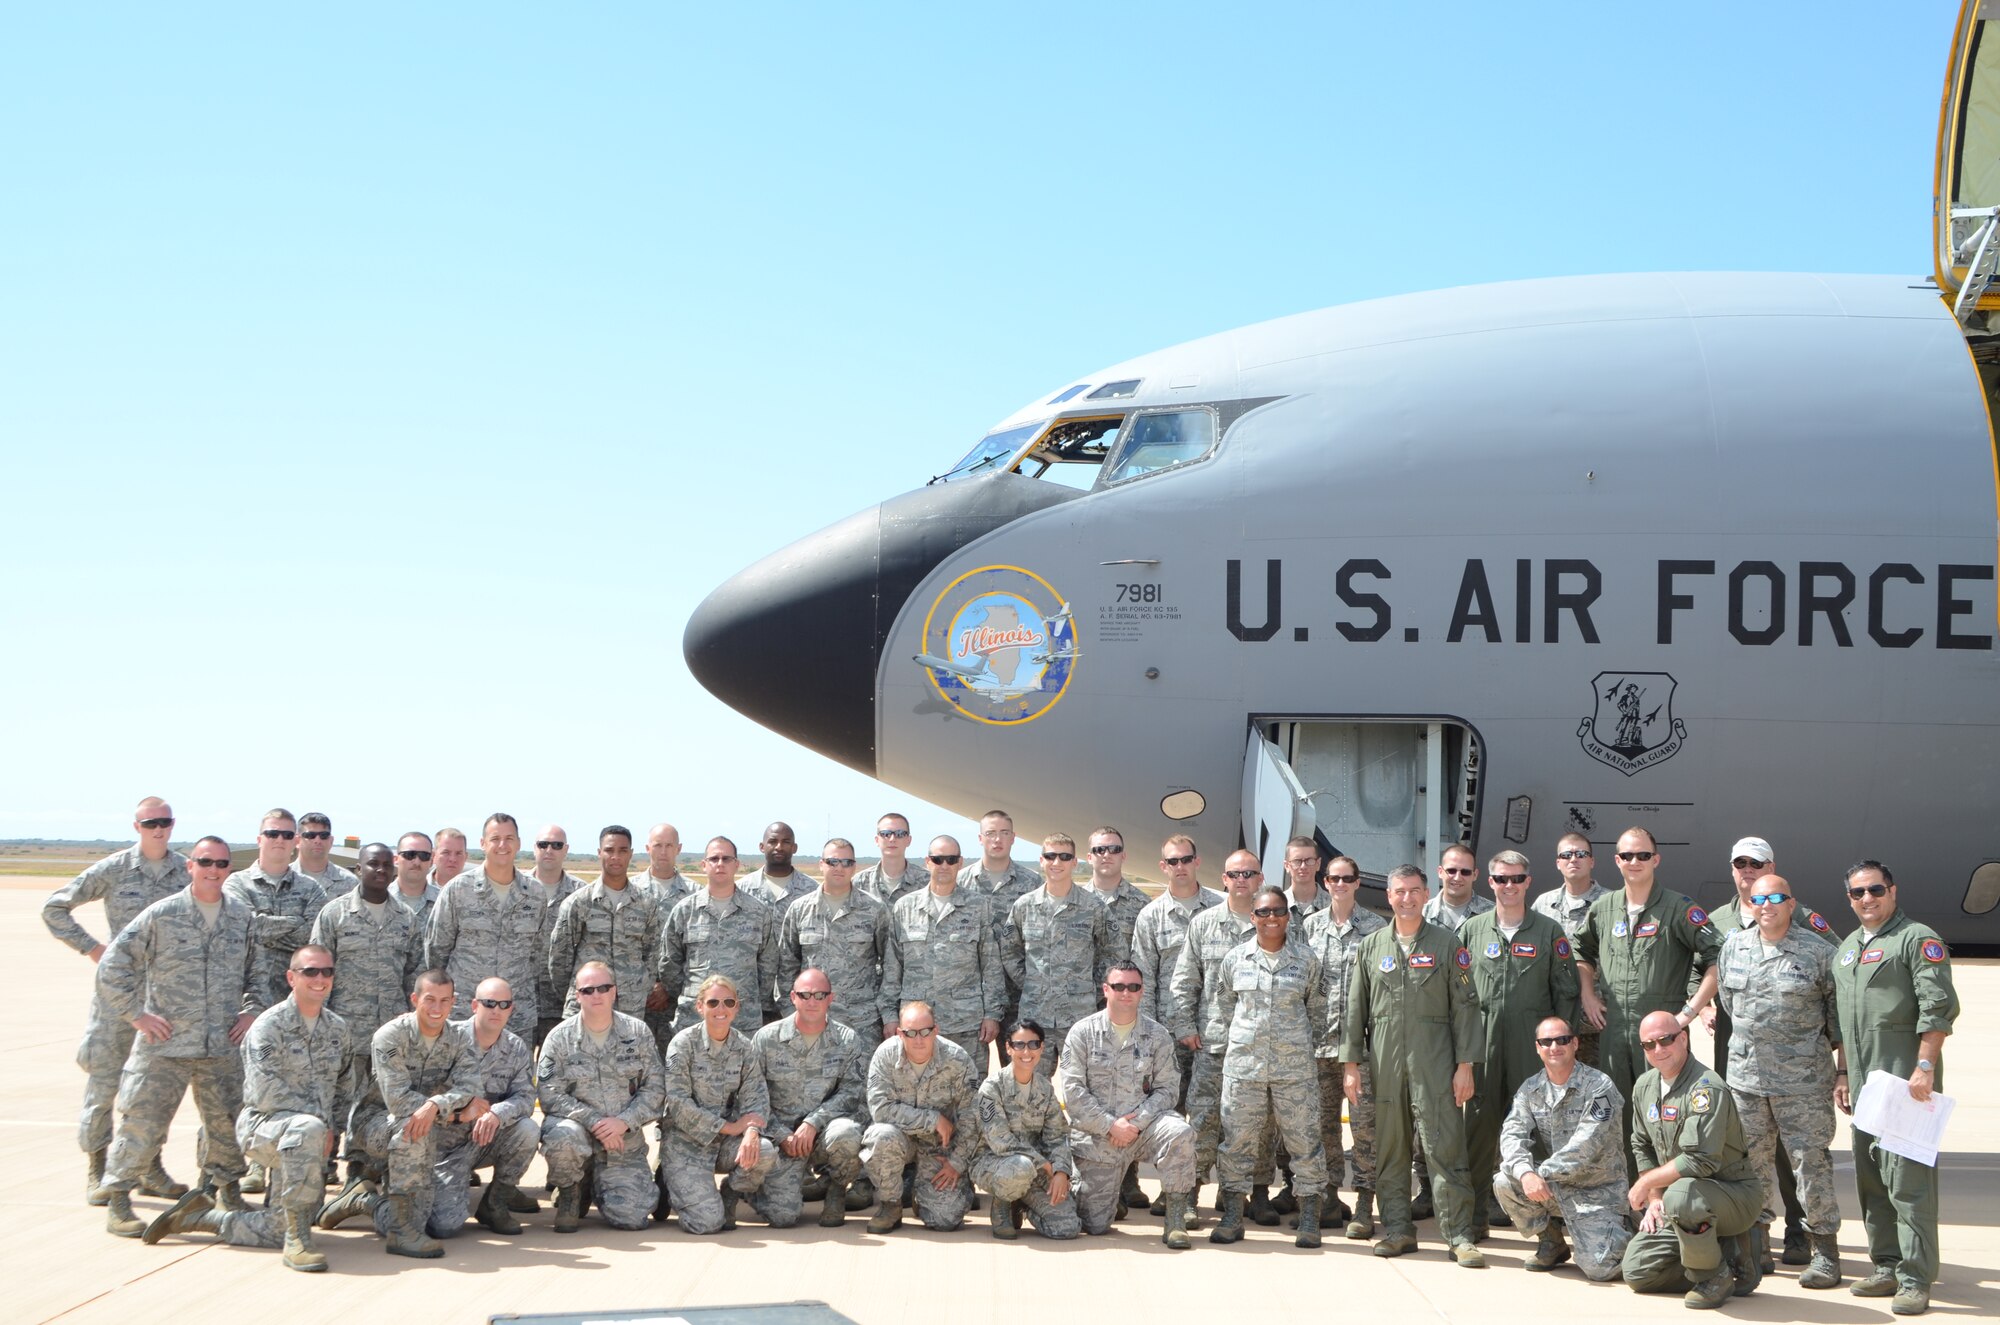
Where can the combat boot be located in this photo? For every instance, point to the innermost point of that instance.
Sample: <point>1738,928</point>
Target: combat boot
<point>1798,1245</point>
<point>1824,1269</point>
<point>1911,1301</point>
<point>1421,1205</point>
<point>406,1232</point>
<point>730,1198</point>
<point>300,1253</point>
<point>228,1198</point>
<point>193,1213</point>
<point>494,1214</point>
<point>1231,1227</point>
<point>1362,1226</point>
<point>860,1194</point>
<point>517,1200</point>
<point>1739,1254</point>
<point>888,1214</point>
<point>1131,1194</point>
<point>1881,1282</point>
<point>833,1206</point>
<point>1713,1291</point>
<point>1004,1226</point>
<point>1175,1232</point>
<point>1396,1244</point>
<point>93,1181</point>
<point>1286,1202</point>
<point>156,1181</point>
<point>254,1181</point>
<point>1308,1222</point>
<point>1759,1236</point>
<point>569,1207</point>
<point>356,1199</point>
<point>663,1207</point>
<point>1468,1256</point>
<point>119,1221</point>
<point>1551,1251</point>
<point>814,1188</point>
<point>1260,1211</point>
<point>1333,1211</point>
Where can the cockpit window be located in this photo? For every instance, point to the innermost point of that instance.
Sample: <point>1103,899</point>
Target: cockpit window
<point>1116,390</point>
<point>993,452</point>
<point>1160,440</point>
<point>1072,450</point>
<point>1070,394</point>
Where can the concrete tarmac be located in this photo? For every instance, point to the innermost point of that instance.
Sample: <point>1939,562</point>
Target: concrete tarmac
<point>60,1264</point>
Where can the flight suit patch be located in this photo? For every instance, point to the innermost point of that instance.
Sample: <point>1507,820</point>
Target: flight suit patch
<point>1493,948</point>
<point>1464,960</point>
<point>1563,949</point>
<point>1525,950</point>
<point>1652,1113</point>
<point>1618,930</point>
<point>1423,961</point>
<point>1647,930</point>
<point>1847,958</point>
<point>1701,1100</point>
<point>1670,1113</point>
<point>1818,922</point>
<point>1870,957</point>
<point>1388,964</point>
<point>1933,950</point>
<point>1697,917</point>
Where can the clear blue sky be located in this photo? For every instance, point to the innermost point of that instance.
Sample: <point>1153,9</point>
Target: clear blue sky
<point>382,386</point>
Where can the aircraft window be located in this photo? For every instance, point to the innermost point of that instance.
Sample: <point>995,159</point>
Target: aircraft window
<point>1070,394</point>
<point>1153,442</point>
<point>1983,893</point>
<point>1116,390</point>
<point>994,451</point>
<point>1072,450</point>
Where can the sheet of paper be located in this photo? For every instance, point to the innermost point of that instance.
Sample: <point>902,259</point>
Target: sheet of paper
<point>1906,1127</point>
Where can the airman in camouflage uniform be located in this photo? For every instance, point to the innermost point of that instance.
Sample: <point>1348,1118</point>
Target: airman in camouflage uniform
<point>944,951</point>
<point>1562,1160</point>
<point>601,1082</point>
<point>1159,936</point>
<point>778,883</point>
<point>315,845</point>
<point>716,1109</point>
<point>1303,894</point>
<point>181,981</point>
<point>1335,935</point>
<point>1457,899</point>
<point>664,879</point>
<point>1122,901</point>
<point>1024,1158</point>
<point>558,885</point>
<point>1002,881</point>
<point>1696,1187</point>
<point>127,882</point>
<point>492,921</point>
<point>721,930</point>
<point>376,941</point>
<point>1193,1018</point>
<point>895,876</point>
<point>816,1073</point>
<point>1778,977</point>
<point>284,902</point>
<point>497,1128</point>
<point>923,1098</point>
<point>611,921</point>
<point>1567,906</point>
<point>1055,947</point>
<point>1268,995</point>
<point>1120,1079</point>
<point>297,1075</point>
<point>413,888</point>
<point>844,932</point>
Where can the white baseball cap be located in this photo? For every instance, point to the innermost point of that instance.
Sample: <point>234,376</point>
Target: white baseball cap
<point>1754,847</point>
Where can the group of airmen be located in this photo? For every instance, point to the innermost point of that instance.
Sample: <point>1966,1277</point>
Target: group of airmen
<point>1523,1065</point>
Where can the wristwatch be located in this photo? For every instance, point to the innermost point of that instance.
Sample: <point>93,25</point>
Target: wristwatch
<point>1925,1065</point>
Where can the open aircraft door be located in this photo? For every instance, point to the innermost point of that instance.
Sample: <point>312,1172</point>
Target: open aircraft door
<point>1276,808</point>
<point>1965,204</point>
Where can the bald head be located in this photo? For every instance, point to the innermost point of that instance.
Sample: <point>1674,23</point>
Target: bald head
<point>663,851</point>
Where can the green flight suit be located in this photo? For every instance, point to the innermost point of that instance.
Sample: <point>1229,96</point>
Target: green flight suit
<point>1694,1127</point>
<point>1644,963</point>
<point>1890,990</point>
<point>1519,981</point>
<point>1413,1018</point>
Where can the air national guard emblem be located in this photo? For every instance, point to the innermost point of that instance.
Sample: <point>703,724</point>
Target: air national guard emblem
<point>1493,948</point>
<point>1632,724</point>
<point>999,645</point>
<point>1847,958</point>
<point>1388,965</point>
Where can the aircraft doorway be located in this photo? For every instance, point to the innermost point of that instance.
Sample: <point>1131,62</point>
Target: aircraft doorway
<point>1382,791</point>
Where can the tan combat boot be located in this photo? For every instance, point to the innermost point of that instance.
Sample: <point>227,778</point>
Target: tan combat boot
<point>93,1182</point>
<point>300,1253</point>
<point>119,1221</point>
<point>406,1232</point>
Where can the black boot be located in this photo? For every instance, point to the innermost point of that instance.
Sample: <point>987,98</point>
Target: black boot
<point>1260,1211</point>
<point>1308,1222</point>
<point>1231,1227</point>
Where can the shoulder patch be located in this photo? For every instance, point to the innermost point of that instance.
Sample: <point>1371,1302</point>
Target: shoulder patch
<point>1563,949</point>
<point>1818,922</point>
<point>1933,950</point>
<point>1464,959</point>
<point>1701,1099</point>
<point>1697,917</point>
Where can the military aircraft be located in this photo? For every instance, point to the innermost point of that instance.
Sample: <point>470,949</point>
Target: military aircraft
<point>1711,553</point>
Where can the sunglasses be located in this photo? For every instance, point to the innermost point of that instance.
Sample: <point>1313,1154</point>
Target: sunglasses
<point>1025,1046</point>
<point>1637,855</point>
<point>1059,855</point>
<point>277,834</point>
<point>812,995</point>
<point>1551,1041</point>
<point>1241,874</point>
<point>1455,872</point>
<point>1661,1043</point>
<point>314,972</point>
<point>1746,863</point>
<point>315,835</point>
<point>1769,899</point>
<point>1343,878</point>
<point>718,1002</point>
<point>838,862</point>
<point>414,855</point>
<point>156,823</point>
<point>1572,854</point>
<point>494,1002</point>
<point>920,1033</point>
<point>1095,851</point>
<point>892,832</point>
<point>1267,912</point>
<point>944,860</point>
<point>211,862</point>
<point>588,990</point>
<point>1508,878</point>
<point>1177,860</point>
<point>1868,890</point>
<point>551,845</point>
<point>1121,987</point>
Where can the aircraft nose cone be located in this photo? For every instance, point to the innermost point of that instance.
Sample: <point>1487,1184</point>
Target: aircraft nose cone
<point>795,641</point>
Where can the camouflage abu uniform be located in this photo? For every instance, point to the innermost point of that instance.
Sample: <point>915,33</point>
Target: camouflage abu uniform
<point>887,891</point>
<point>1569,912</point>
<point>127,883</point>
<point>285,906</point>
<point>1335,947</point>
<point>848,939</point>
<point>1122,906</point>
<point>1055,950</point>
<point>169,962</point>
<point>943,951</point>
<point>1568,1135</point>
<point>779,894</point>
<point>1001,891</point>
<point>335,881</point>
<point>298,1080</point>
<point>1022,1128</point>
<point>421,905</point>
<point>1691,1124</point>
<point>1274,1007</point>
<point>668,892</point>
<point>1442,913</point>
<point>736,937</point>
<point>619,927</point>
<point>710,1083</point>
<point>823,1082</point>
<point>1210,937</point>
<point>905,1100</point>
<point>1156,950</point>
<point>376,957</point>
<point>582,1082</point>
<point>478,933</point>
<point>1105,1078</point>
<point>1782,1076</point>
<point>506,1076</point>
<point>408,1073</point>
<point>550,992</point>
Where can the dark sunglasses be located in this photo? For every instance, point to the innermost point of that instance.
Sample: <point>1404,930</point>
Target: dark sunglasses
<point>1343,878</point>
<point>1267,912</point>
<point>314,972</point>
<point>1095,851</point>
<point>551,846</point>
<point>1508,878</point>
<point>211,862</point>
<point>838,862</point>
<point>1455,872</point>
<point>414,855</point>
<point>1868,890</point>
<point>315,835</point>
<point>1024,1046</point>
<point>1551,1041</point>
<point>812,995</point>
<point>1661,1043</point>
<point>156,823</point>
<point>494,1002</point>
<point>277,834</point>
<point>1121,987</point>
<point>1637,855</point>
<point>718,1002</point>
<point>920,1033</point>
<point>892,832</point>
<point>1241,874</point>
<point>1746,863</point>
<point>1573,854</point>
<point>595,989</point>
<point>944,860</point>
<point>1059,855</point>
<point>1177,860</point>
